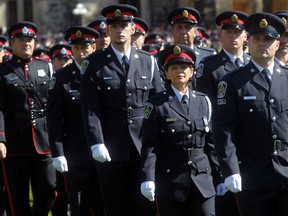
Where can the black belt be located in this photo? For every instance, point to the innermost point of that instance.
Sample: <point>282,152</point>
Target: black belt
<point>33,114</point>
<point>135,112</point>
<point>278,145</point>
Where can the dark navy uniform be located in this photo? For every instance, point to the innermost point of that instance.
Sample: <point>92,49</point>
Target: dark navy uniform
<point>23,97</point>
<point>249,127</point>
<point>211,70</point>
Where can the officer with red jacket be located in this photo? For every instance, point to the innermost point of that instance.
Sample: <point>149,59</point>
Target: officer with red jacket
<point>23,132</point>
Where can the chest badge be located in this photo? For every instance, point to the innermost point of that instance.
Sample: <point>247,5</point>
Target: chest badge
<point>41,73</point>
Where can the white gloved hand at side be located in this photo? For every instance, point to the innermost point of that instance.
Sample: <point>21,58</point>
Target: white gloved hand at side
<point>60,164</point>
<point>100,153</point>
<point>148,190</point>
<point>234,183</point>
<point>221,189</point>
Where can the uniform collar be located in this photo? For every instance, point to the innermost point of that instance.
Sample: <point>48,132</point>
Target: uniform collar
<point>179,94</point>
<point>19,60</point>
<point>233,58</point>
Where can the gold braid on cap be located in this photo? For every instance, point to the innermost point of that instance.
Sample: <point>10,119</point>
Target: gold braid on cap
<point>176,50</point>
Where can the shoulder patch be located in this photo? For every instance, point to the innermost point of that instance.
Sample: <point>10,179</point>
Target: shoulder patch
<point>222,87</point>
<point>148,109</point>
<point>52,83</point>
<point>199,70</point>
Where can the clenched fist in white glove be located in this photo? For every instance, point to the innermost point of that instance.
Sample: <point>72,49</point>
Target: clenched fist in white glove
<point>148,190</point>
<point>234,183</point>
<point>60,164</point>
<point>221,189</point>
<point>100,153</point>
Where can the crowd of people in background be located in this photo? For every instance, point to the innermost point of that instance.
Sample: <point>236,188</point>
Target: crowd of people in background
<point>118,119</point>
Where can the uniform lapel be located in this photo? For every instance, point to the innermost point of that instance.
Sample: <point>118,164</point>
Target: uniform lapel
<point>134,58</point>
<point>258,78</point>
<point>246,58</point>
<point>113,61</point>
<point>277,77</point>
<point>175,104</point>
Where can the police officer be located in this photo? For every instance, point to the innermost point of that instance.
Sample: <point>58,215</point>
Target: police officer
<point>68,145</point>
<point>250,122</point>
<point>213,68</point>
<point>24,92</point>
<point>100,25</point>
<point>61,56</point>
<point>184,22</point>
<point>141,29</point>
<point>174,134</point>
<point>281,55</point>
<point>114,88</point>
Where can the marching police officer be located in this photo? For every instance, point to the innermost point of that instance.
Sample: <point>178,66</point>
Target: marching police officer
<point>250,123</point>
<point>141,29</point>
<point>114,87</point>
<point>184,22</point>
<point>70,151</point>
<point>212,68</point>
<point>176,152</point>
<point>23,132</point>
<point>61,56</point>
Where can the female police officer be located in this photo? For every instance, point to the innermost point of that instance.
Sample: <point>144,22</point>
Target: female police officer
<point>175,151</point>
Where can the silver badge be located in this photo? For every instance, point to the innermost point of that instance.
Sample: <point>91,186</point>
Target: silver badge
<point>41,73</point>
<point>63,51</point>
<point>25,30</point>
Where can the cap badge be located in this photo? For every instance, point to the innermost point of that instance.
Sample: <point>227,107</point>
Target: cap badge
<point>263,23</point>
<point>102,25</point>
<point>185,14</point>
<point>24,30</point>
<point>42,55</point>
<point>78,34</point>
<point>176,50</point>
<point>234,18</point>
<point>63,51</point>
<point>117,13</point>
<point>284,20</point>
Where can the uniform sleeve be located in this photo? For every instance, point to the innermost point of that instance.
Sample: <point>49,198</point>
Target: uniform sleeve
<point>224,124</point>
<point>157,83</point>
<point>90,107</point>
<point>150,139</point>
<point>55,118</point>
<point>2,108</point>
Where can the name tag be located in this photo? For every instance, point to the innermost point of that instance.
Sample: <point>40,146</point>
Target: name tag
<point>107,78</point>
<point>171,119</point>
<point>249,98</point>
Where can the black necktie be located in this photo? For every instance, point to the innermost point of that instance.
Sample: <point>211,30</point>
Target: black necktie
<point>184,102</point>
<point>265,72</point>
<point>238,62</point>
<point>125,63</point>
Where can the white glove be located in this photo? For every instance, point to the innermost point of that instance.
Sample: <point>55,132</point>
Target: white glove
<point>100,153</point>
<point>148,190</point>
<point>234,183</point>
<point>221,189</point>
<point>60,164</point>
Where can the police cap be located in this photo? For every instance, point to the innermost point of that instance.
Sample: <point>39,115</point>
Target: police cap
<point>265,23</point>
<point>154,38</point>
<point>283,15</point>
<point>184,14</point>
<point>43,54</point>
<point>231,19</point>
<point>178,53</point>
<point>23,29</point>
<point>81,35</point>
<point>119,13</point>
<point>141,27</point>
<point>61,51</point>
<point>99,24</point>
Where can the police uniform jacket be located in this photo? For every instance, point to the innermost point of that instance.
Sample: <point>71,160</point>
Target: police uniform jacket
<point>211,70</point>
<point>23,97</point>
<point>202,52</point>
<point>250,128</point>
<point>175,147</point>
<point>64,118</point>
<point>113,100</point>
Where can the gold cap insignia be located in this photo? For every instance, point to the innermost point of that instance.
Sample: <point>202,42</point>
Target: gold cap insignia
<point>234,18</point>
<point>177,50</point>
<point>185,14</point>
<point>117,13</point>
<point>263,23</point>
<point>78,34</point>
<point>284,20</point>
<point>25,30</point>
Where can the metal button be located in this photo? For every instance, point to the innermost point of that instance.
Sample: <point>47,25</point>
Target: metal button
<point>168,170</point>
<point>273,118</point>
<point>31,102</point>
<point>188,123</point>
<point>73,98</point>
<point>172,130</point>
<point>128,81</point>
<point>130,121</point>
<point>129,94</point>
<point>274,136</point>
<point>189,163</point>
<point>145,87</point>
<point>108,88</point>
<point>15,84</point>
<point>189,136</point>
<point>251,110</point>
<point>272,101</point>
